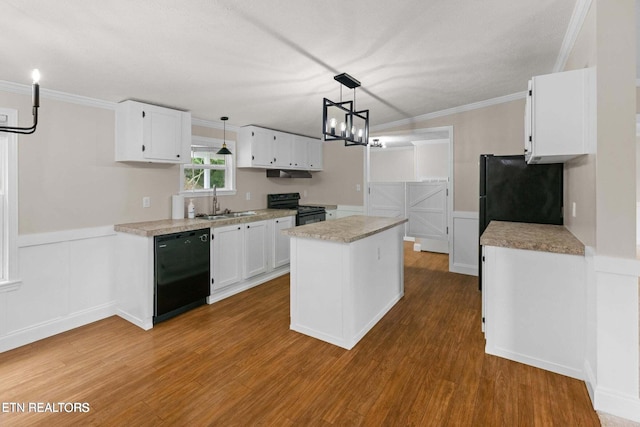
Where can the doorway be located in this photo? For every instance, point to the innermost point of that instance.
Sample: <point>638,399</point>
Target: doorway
<point>410,174</point>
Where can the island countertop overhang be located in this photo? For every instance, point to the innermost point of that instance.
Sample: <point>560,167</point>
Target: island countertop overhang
<point>345,230</point>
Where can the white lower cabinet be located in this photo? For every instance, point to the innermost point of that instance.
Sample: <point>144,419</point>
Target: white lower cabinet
<point>226,256</point>
<point>241,252</point>
<point>255,249</point>
<point>534,308</point>
<point>281,245</point>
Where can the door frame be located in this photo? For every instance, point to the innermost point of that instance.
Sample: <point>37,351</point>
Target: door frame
<point>420,135</point>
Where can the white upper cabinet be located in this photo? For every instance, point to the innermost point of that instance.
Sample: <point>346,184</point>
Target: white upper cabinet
<point>560,116</point>
<point>148,133</point>
<point>300,152</point>
<point>315,154</point>
<point>281,149</point>
<point>271,149</point>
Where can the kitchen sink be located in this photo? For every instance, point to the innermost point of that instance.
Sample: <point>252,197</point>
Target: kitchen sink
<point>228,215</point>
<point>239,214</point>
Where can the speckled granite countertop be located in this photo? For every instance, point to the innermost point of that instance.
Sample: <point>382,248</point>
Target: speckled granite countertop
<point>168,226</point>
<point>534,237</point>
<point>345,230</point>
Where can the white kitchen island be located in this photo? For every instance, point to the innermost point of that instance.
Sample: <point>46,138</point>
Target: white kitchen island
<point>346,275</point>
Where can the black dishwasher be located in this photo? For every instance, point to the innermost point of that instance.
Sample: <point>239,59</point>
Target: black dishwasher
<point>181,273</point>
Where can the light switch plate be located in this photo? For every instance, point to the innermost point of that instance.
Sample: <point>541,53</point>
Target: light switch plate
<point>146,202</point>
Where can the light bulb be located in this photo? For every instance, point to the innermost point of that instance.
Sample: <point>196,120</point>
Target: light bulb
<point>35,75</point>
<point>332,125</point>
<point>343,128</point>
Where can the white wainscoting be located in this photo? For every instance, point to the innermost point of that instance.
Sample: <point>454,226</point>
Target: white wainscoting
<point>613,344</point>
<point>464,256</point>
<point>67,281</point>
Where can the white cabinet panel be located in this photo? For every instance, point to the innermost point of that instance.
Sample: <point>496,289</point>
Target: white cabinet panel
<point>226,256</point>
<point>270,149</point>
<point>315,154</point>
<point>559,116</point>
<point>281,144</point>
<point>534,308</point>
<point>148,133</point>
<point>281,244</point>
<point>255,248</point>
<point>300,152</point>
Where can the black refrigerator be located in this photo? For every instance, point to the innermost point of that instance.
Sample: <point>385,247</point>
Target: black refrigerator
<point>512,190</point>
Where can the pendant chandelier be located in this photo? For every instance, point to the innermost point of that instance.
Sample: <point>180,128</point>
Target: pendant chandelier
<point>35,95</point>
<point>341,121</point>
<point>224,150</point>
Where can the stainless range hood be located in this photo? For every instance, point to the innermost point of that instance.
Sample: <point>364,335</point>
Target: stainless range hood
<point>288,173</point>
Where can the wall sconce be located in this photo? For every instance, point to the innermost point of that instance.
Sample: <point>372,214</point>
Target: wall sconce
<point>341,121</point>
<point>35,95</point>
<point>224,150</point>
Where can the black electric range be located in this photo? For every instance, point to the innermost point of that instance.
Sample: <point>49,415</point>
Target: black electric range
<point>306,214</point>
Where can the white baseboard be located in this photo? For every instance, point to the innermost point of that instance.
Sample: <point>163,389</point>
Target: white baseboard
<point>538,363</point>
<point>141,323</point>
<point>246,284</point>
<point>47,329</point>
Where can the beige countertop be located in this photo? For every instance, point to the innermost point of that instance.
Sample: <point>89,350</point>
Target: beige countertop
<point>534,237</point>
<point>345,230</point>
<point>168,226</point>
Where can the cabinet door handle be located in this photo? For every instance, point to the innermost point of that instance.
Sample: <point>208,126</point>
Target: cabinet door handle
<point>177,155</point>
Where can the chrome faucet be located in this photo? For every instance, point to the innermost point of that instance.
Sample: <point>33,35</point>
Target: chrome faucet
<point>216,205</point>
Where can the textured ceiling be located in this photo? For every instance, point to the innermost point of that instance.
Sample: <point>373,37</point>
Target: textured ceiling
<point>270,62</point>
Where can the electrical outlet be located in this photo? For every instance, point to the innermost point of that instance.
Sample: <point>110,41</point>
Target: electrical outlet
<point>248,195</point>
<point>146,202</point>
<point>358,188</point>
<point>304,193</point>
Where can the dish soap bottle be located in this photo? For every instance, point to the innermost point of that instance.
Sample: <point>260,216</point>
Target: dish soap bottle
<point>191,210</point>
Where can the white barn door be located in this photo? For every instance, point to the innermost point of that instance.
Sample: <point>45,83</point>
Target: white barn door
<point>386,199</point>
<point>426,205</point>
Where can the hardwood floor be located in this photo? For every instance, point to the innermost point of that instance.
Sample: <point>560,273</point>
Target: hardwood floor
<point>237,363</point>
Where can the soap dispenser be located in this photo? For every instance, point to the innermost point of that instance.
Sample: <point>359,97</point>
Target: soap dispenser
<point>191,210</point>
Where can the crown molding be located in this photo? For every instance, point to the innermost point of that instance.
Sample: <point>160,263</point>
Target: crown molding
<point>449,111</point>
<point>23,89</point>
<point>575,25</point>
<point>57,96</point>
<point>212,124</point>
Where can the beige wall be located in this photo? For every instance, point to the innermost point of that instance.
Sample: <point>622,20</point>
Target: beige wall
<point>68,178</point>
<point>616,174</point>
<point>392,164</point>
<point>432,160</point>
<point>603,185</point>
<point>497,129</point>
<point>580,173</point>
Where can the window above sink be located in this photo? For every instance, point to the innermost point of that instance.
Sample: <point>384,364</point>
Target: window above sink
<point>208,169</point>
